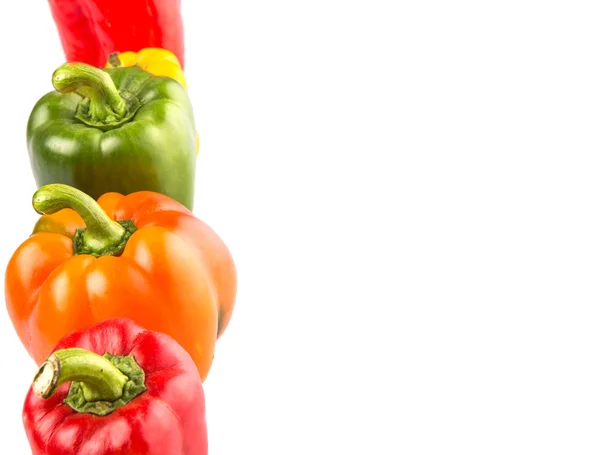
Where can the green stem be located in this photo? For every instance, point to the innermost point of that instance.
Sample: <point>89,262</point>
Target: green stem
<point>106,104</point>
<point>100,379</point>
<point>102,235</point>
<point>114,61</point>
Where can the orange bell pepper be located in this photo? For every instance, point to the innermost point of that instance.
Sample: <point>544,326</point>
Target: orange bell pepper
<point>156,264</point>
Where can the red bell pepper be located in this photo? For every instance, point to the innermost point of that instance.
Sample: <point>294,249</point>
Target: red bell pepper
<point>134,392</point>
<point>91,30</point>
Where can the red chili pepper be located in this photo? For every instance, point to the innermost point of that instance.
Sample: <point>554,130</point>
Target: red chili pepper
<point>134,392</point>
<point>91,30</point>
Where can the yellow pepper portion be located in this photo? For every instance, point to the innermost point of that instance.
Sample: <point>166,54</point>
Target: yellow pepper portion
<point>157,61</point>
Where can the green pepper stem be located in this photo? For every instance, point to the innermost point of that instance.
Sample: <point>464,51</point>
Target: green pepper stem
<point>102,235</point>
<point>105,102</point>
<point>100,379</point>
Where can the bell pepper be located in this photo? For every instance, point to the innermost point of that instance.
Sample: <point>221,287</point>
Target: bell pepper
<point>157,61</point>
<point>143,256</point>
<point>91,30</point>
<point>116,389</point>
<point>120,129</point>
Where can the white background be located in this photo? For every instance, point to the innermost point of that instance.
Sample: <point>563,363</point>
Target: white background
<point>411,192</point>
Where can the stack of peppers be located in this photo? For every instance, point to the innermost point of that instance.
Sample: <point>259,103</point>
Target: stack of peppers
<point>120,293</point>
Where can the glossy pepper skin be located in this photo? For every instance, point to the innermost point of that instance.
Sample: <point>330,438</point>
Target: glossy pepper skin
<point>120,129</point>
<point>158,265</point>
<point>147,400</point>
<point>157,61</point>
<point>91,30</point>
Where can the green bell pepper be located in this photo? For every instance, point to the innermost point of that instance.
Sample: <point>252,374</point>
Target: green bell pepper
<point>114,130</point>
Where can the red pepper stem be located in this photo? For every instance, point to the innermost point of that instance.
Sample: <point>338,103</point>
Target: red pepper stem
<point>100,379</point>
<point>102,235</point>
<point>106,104</point>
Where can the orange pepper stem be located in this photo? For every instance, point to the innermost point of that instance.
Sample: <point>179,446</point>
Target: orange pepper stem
<point>102,236</point>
